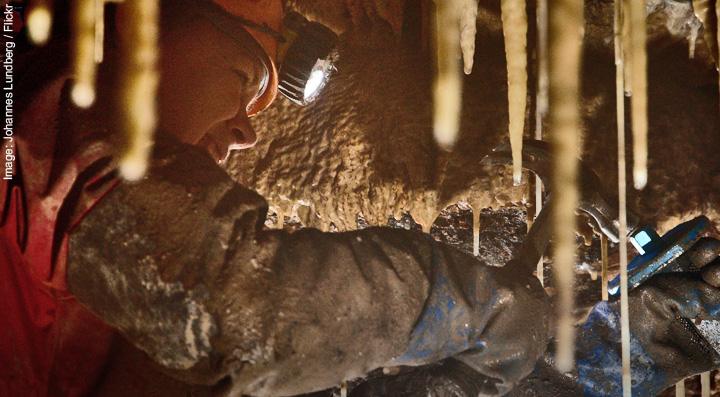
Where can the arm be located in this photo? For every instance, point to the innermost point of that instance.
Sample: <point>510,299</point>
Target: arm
<point>180,264</point>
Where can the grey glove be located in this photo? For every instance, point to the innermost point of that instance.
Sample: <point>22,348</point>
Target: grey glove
<point>179,262</point>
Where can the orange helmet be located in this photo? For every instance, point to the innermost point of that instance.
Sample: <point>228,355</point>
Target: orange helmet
<point>262,13</point>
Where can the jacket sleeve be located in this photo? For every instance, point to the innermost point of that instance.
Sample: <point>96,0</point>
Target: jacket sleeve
<point>180,263</point>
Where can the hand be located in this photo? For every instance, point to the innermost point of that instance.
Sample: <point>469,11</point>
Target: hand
<point>665,345</point>
<point>662,312</point>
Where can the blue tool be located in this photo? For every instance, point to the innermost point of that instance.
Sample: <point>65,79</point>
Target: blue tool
<point>664,254</point>
<point>657,254</point>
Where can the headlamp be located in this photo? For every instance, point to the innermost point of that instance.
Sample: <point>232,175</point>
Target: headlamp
<point>307,58</point>
<point>305,50</point>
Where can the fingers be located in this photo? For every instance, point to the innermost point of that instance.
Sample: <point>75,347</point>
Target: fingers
<point>711,273</point>
<point>706,250</point>
<point>670,295</point>
<point>704,256</point>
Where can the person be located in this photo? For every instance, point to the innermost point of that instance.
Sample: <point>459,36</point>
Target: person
<point>215,299</point>
<point>179,263</point>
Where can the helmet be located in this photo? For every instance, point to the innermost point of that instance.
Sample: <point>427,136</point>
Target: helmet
<point>304,50</point>
<point>263,17</point>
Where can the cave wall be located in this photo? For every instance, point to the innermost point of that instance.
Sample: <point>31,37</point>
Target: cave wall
<point>365,146</point>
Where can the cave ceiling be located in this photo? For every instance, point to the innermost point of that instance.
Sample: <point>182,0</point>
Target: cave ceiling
<point>365,146</point>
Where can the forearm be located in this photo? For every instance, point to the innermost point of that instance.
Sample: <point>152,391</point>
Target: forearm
<point>353,302</point>
<point>201,288</point>
<point>324,308</point>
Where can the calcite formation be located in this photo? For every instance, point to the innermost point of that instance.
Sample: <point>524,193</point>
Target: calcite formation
<point>365,147</point>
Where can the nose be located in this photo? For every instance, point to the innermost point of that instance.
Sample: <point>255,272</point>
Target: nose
<point>243,135</point>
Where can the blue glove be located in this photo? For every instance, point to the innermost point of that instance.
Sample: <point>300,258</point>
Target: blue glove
<point>487,318</point>
<point>665,345</point>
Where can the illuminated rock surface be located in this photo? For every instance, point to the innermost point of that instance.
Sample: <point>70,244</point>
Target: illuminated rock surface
<point>365,147</point>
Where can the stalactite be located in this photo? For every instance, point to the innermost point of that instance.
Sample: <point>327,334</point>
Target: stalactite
<point>717,37</point>
<point>39,21</point>
<point>468,30</point>
<point>680,389</point>
<point>99,30</point>
<point>427,220</point>
<point>84,69</point>
<point>542,72</point>
<point>565,38</point>
<point>447,89</point>
<point>627,50</point>
<point>624,312</point>
<point>541,103</point>
<point>140,79</point>
<point>514,21</point>
<point>604,258</point>
<point>476,230</point>
<point>622,188</point>
<point>705,384</point>
<point>637,15</point>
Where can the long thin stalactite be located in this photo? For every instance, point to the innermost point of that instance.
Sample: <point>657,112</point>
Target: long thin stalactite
<point>84,68</point>
<point>140,79</point>
<point>638,38</point>
<point>541,103</point>
<point>514,21</point>
<point>620,85</point>
<point>39,21</point>
<point>565,41</point>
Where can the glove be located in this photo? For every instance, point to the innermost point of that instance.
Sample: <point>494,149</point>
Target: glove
<point>492,319</point>
<point>215,299</point>
<point>665,345</point>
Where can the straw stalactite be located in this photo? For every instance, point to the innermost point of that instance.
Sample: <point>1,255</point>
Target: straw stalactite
<point>39,21</point>
<point>83,38</point>
<point>139,85</point>
<point>565,39</point>
<point>620,85</point>
<point>447,88</point>
<point>638,38</point>
<point>541,102</point>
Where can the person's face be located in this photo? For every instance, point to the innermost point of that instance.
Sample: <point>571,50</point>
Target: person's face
<point>208,80</point>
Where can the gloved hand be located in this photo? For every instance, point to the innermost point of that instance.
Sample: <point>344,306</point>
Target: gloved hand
<point>213,297</point>
<point>494,320</point>
<point>666,346</point>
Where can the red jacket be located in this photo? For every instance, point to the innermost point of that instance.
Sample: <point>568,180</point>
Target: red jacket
<point>49,344</point>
